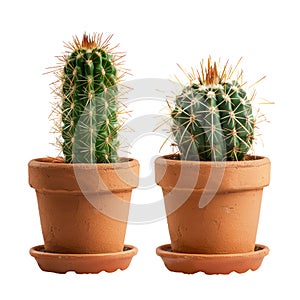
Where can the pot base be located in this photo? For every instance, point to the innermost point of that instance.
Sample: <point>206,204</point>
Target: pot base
<point>212,263</point>
<point>83,263</point>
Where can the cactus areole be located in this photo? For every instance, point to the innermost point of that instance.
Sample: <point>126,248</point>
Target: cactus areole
<point>212,117</point>
<point>89,106</point>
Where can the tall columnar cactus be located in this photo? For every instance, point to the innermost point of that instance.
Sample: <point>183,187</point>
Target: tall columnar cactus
<point>212,117</point>
<point>89,105</point>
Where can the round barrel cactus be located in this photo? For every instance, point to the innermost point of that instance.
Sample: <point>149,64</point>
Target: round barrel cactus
<point>89,103</point>
<point>212,117</point>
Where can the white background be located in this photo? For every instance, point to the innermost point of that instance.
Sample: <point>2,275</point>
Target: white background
<point>156,35</point>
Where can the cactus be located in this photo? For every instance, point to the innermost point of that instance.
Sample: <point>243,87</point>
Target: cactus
<point>88,91</point>
<point>212,117</point>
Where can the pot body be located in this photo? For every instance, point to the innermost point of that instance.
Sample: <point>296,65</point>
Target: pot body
<point>212,207</point>
<point>83,207</point>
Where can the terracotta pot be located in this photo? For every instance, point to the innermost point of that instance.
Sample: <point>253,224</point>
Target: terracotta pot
<point>225,220</point>
<point>83,207</point>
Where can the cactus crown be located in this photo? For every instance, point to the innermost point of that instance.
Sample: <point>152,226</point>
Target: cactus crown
<point>87,90</point>
<point>212,119</point>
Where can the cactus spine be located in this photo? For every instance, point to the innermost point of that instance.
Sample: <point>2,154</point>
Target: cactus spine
<point>212,117</point>
<point>89,106</point>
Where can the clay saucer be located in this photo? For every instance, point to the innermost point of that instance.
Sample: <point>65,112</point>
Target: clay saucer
<point>83,263</point>
<point>212,263</point>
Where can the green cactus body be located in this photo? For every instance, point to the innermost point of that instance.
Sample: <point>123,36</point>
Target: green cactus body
<point>89,103</point>
<point>212,118</point>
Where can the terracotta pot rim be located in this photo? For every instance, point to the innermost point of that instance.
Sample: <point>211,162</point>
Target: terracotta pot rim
<point>54,175</point>
<point>223,177</point>
<point>58,162</point>
<point>252,161</point>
